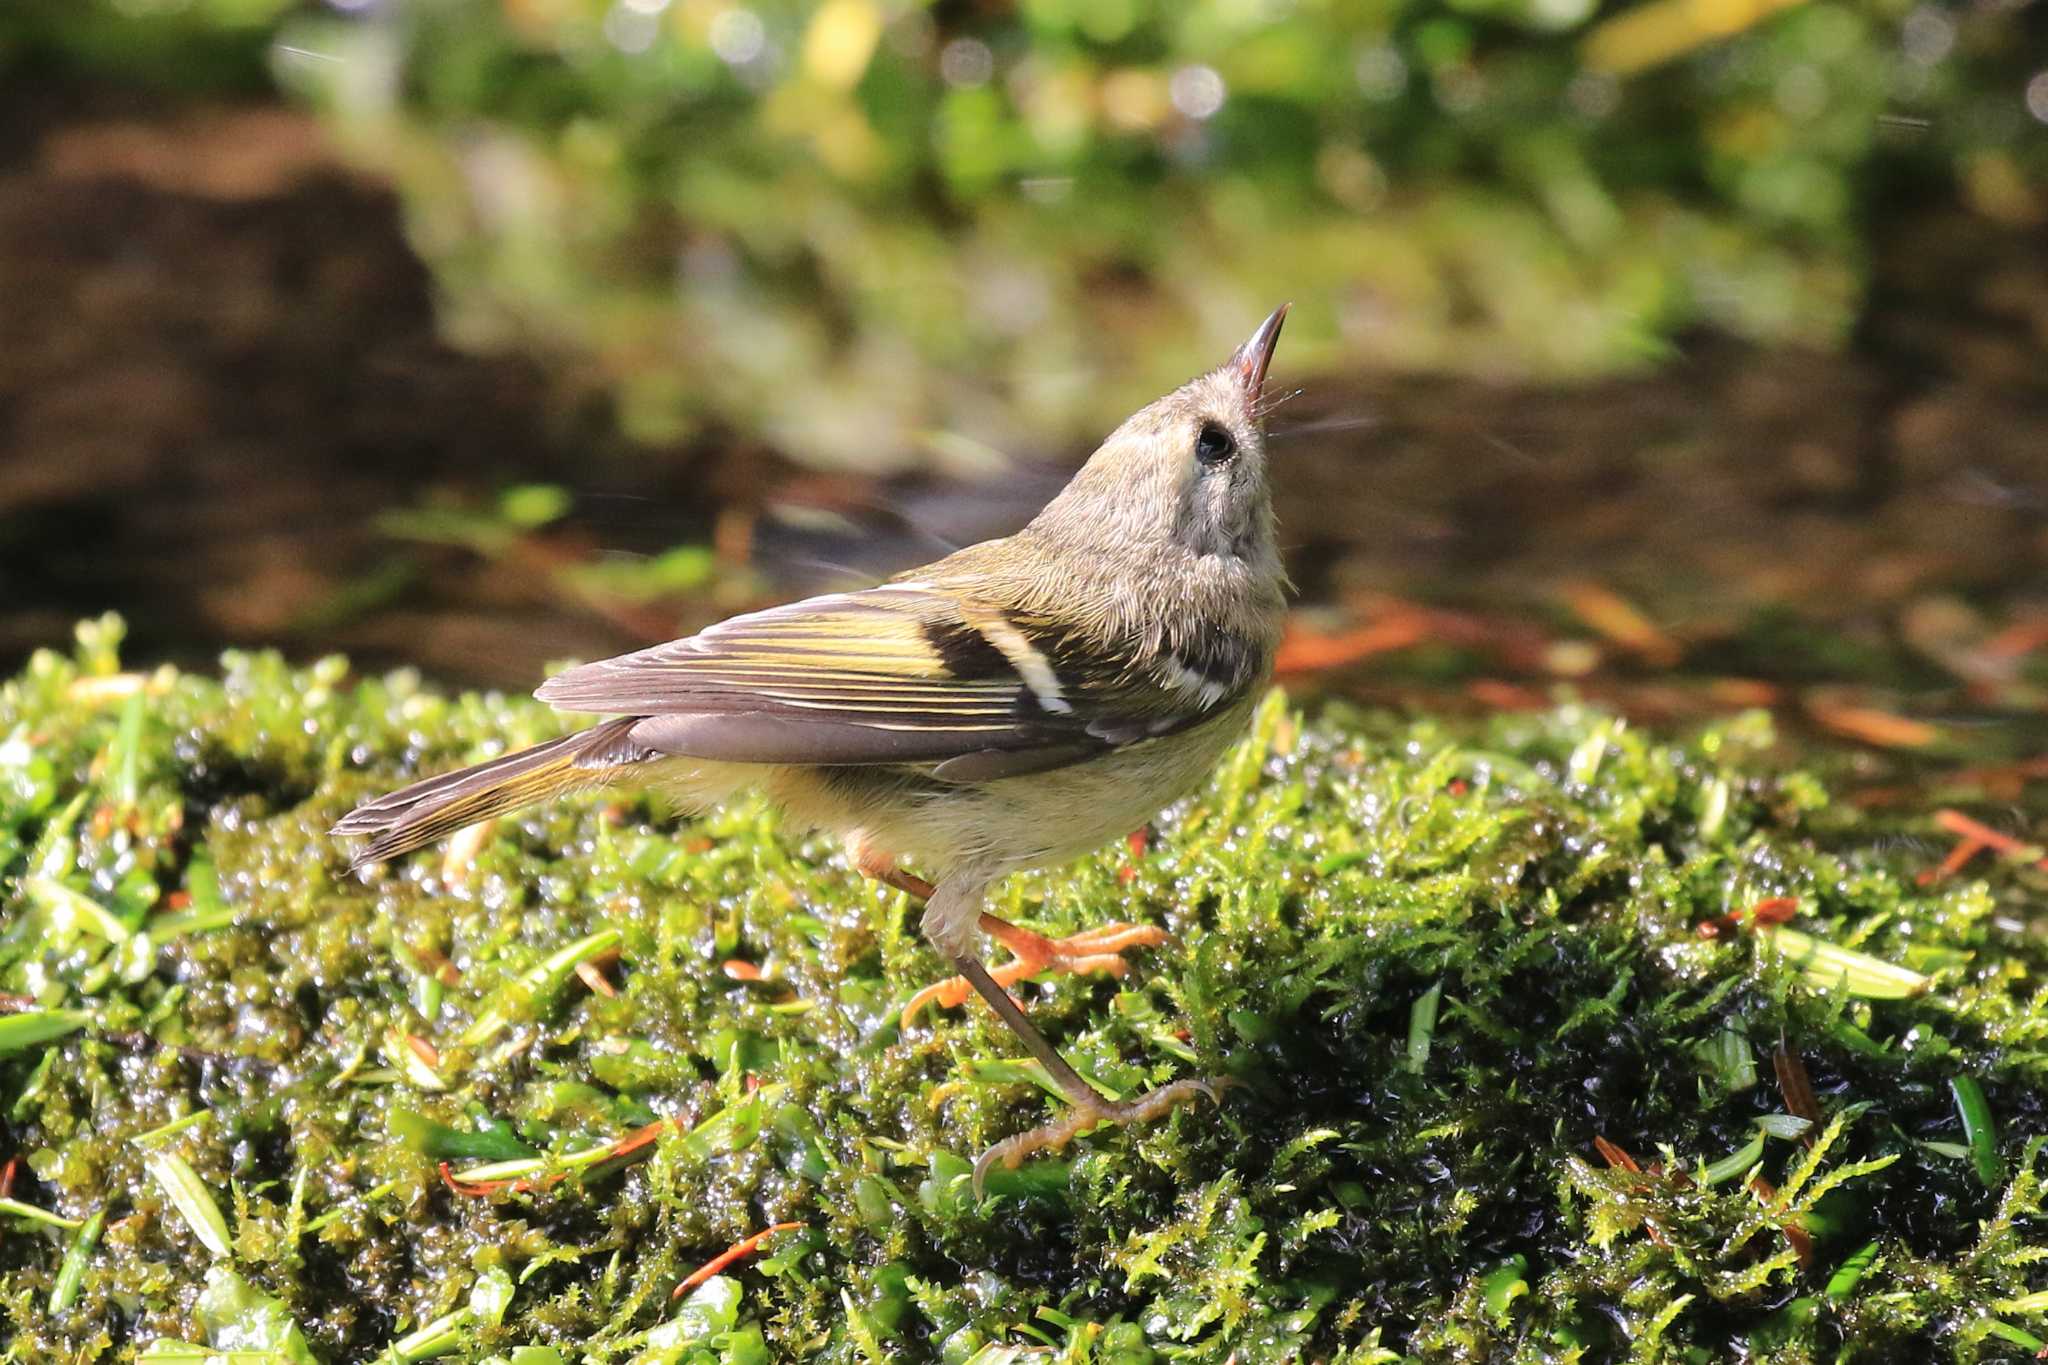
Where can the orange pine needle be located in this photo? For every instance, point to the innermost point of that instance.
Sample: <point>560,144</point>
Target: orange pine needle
<point>1961,825</point>
<point>1616,1157</point>
<point>625,1146</point>
<point>737,1251</point>
<point>1953,863</point>
<point>1774,910</point>
<point>2017,639</point>
<point>1303,650</point>
<point>477,1189</point>
<point>1137,842</point>
<point>640,1137</point>
<point>1618,620</point>
<point>1770,910</point>
<point>1620,1160</point>
<point>1872,726</point>
<point>737,970</point>
<point>1744,692</point>
<point>1795,1087</point>
<point>1501,695</point>
<point>424,1050</point>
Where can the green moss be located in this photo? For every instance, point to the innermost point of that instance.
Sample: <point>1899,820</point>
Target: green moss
<point>1437,960</point>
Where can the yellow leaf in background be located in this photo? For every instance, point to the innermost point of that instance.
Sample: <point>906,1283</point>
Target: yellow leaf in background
<point>1653,34</point>
<point>1135,100</point>
<point>841,41</point>
<point>1997,188</point>
<point>847,144</point>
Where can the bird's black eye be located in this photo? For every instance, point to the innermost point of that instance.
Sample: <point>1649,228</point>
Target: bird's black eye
<point>1214,445</point>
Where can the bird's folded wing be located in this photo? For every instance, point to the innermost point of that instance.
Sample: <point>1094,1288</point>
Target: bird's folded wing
<point>895,674</point>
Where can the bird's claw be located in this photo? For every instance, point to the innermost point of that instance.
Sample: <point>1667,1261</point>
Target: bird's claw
<point>1054,1136</point>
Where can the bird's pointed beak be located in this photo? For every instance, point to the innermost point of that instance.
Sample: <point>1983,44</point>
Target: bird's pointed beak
<point>1250,362</point>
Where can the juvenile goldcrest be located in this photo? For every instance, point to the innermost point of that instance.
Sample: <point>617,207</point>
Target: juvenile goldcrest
<point>1011,706</point>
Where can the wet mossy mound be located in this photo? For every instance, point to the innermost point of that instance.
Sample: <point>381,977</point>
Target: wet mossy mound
<point>1495,1094</point>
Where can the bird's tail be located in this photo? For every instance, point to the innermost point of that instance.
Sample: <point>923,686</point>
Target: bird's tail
<point>416,816</point>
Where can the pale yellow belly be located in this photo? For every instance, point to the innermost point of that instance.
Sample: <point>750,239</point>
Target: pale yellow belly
<point>988,828</point>
<point>1044,819</point>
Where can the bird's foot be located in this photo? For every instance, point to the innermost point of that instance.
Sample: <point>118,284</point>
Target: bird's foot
<point>1054,1136</point>
<point>1094,951</point>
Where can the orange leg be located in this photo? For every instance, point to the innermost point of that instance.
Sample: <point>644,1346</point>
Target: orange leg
<point>1097,950</point>
<point>1094,951</point>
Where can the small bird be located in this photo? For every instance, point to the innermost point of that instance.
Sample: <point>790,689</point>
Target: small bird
<point>1013,705</point>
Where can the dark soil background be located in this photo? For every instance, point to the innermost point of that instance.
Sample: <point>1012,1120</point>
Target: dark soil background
<point>219,364</point>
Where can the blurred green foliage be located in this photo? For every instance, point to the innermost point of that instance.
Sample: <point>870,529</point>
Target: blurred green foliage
<point>198,45</point>
<point>846,226</point>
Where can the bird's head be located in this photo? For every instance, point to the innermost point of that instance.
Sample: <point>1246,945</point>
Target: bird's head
<point>1184,473</point>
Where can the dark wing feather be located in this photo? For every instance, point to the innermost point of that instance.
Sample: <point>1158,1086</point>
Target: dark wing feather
<point>899,674</point>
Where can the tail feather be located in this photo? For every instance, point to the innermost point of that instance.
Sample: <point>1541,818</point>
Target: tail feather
<point>416,816</point>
